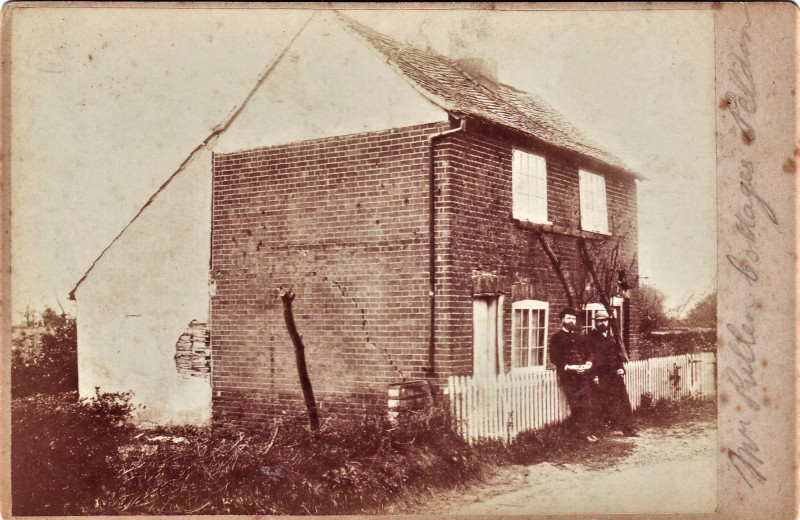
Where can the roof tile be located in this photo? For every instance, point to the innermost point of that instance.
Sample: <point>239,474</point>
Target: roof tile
<point>456,91</point>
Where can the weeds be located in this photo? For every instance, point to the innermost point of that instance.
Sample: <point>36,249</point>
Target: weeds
<point>344,467</point>
<point>82,457</point>
<point>105,468</point>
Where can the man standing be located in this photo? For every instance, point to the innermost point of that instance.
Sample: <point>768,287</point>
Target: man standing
<point>607,366</point>
<point>568,354</point>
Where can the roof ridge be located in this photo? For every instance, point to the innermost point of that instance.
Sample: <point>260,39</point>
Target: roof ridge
<point>429,50</point>
<point>434,75</point>
<point>358,27</point>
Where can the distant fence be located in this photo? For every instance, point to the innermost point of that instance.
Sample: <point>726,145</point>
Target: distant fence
<point>500,407</point>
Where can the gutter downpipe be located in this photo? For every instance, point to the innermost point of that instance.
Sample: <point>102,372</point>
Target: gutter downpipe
<point>431,368</point>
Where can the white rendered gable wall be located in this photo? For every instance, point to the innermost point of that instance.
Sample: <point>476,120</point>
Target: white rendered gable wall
<point>140,297</point>
<point>328,83</point>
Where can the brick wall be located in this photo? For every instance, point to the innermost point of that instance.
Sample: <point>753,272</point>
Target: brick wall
<point>344,222</point>
<point>476,233</point>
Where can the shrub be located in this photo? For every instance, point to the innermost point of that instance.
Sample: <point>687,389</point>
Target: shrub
<point>677,342</point>
<point>345,467</point>
<point>61,448</point>
<point>646,401</point>
<point>72,456</point>
<point>50,364</point>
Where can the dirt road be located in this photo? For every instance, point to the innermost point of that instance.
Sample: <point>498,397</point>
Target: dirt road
<point>668,470</point>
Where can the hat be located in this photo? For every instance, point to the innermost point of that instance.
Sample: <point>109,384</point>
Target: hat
<point>601,315</point>
<point>568,310</point>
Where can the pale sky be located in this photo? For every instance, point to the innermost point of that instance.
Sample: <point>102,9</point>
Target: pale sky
<point>106,103</point>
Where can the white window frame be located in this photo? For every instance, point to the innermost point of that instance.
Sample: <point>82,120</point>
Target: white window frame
<point>594,202</point>
<point>529,187</point>
<point>616,306</point>
<point>529,306</point>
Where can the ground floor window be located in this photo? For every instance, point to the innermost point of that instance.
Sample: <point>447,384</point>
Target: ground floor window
<point>590,309</point>
<point>529,334</point>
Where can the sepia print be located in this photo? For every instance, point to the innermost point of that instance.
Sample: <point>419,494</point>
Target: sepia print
<point>327,260</point>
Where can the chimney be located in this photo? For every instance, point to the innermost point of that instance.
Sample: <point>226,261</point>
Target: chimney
<point>482,70</point>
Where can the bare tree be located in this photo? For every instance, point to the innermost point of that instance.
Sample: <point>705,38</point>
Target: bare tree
<point>606,272</point>
<point>677,311</point>
<point>605,267</point>
<point>287,297</point>
<point>652,310</point>
<point>563,275</point>
<point>704,312</point>
<point>30,315</point>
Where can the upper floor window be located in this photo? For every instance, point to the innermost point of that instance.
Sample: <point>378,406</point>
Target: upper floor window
<point>529,334</point>
<point>529,182</point>
<point>594,210</point>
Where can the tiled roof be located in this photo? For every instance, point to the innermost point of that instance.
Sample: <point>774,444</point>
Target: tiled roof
<point>455,91</point>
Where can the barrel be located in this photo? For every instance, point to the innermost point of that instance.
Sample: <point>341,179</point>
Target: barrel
<point>408,396</point>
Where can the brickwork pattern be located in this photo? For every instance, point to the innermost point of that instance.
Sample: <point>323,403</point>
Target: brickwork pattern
<point>344,222</point>
<point>477,232</point>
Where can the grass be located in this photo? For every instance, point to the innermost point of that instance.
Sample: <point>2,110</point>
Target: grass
<point>556,444</point>
<point>347,467</point>
<point>664,413</point>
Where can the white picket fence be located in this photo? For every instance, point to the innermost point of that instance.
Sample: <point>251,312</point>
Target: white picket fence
<point>500,407</point>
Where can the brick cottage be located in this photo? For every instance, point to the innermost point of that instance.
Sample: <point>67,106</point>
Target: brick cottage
<point>405,200</point>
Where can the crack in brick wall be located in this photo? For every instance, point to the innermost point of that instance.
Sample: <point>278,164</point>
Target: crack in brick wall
<point>364,327</point>
<point>353,208</point>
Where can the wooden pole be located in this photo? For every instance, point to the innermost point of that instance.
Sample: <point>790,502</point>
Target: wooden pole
<point>287,297</point>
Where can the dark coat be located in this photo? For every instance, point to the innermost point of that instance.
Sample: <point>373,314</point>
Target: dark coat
<point>612,401</point>
<point>603,353</point>
<point>567,348</point>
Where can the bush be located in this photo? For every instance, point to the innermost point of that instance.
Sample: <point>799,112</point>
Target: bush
<point>677,342</point>
<point>646,402</point>
<point>45,357</point>
<point>61,450</point>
